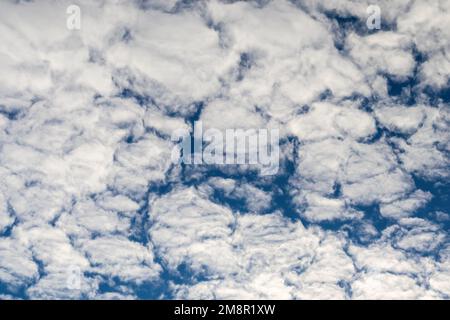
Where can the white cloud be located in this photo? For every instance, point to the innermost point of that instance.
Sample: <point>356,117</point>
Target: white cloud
<point>16,264</point>
<point>188,228</point>
<point>85,170</point>
<point>386,286</point>
<point>424,152</point>
<point>120,257</point>
<point>401,119</point>
<point>255,199</point>
<point>322,209</point>
<point>405,207</point>
<point>326,120</point>
<point>382,52</point>
<point>358,167</point>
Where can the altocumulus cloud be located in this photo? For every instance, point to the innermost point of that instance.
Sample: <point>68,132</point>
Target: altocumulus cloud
<point>359,208</point>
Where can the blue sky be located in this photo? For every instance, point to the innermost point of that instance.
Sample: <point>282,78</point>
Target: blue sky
<point>92,207</point>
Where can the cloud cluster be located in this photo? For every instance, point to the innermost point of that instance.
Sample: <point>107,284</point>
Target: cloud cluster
<point>91,205</point>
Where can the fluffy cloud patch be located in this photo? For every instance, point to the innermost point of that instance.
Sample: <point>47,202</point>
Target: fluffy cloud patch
<point>89,195</point>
